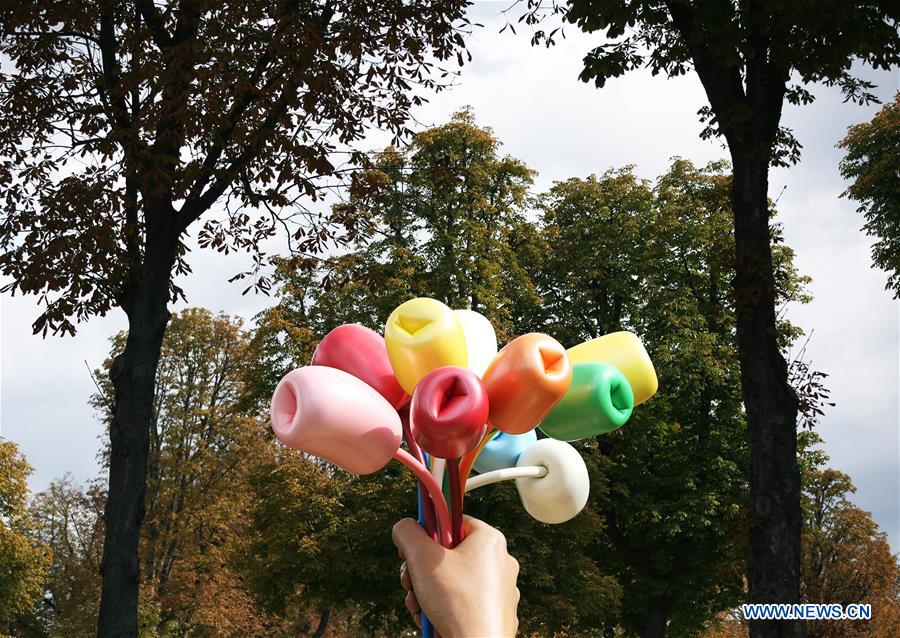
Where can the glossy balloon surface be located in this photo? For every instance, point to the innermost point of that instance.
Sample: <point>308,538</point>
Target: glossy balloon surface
<point>525,380</point>
<point>421,335</point>
<point>563,492</point>
<point>449,411</point>
<point>335,416</point>
<point>503,450</point>
<point>599,400</point>
<point>361,352</point>
<point>481,340</point>
<point>626,352</point>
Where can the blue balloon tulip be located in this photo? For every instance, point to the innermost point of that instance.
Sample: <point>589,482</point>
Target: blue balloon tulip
<point>503,451</point>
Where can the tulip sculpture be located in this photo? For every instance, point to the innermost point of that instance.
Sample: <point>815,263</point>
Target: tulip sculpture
<point>437,382</point>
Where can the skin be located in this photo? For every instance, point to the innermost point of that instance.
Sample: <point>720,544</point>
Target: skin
<point>466,592</point>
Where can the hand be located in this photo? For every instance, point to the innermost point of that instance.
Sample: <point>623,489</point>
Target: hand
<point>466,592</point>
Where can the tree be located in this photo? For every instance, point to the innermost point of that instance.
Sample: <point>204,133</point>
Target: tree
<point>873,155</point>
<point>657,260</point>
<point>322,537</point>
<point>846,559</point>
<point>125,122</point>
<point>23,557</point>
<point>439,219</point>
<point>69,519</point>
<point>204,446</point>
<point>446,219</point>
<point>751,58</point>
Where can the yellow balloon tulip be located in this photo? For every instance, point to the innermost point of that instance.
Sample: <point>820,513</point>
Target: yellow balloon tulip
<point>423,334</point>
<point>626,352</point>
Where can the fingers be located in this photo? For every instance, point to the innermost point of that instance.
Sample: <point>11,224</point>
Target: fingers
<point>405,580</point>
<point>479,536</point>
<point>409,538</point>
<point>472,524</point>
<point>411,602</point>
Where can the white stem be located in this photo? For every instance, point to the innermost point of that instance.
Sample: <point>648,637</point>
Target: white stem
<point>527,471</point>
<point>437,470</point>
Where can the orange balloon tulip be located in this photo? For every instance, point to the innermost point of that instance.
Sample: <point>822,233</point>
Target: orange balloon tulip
<point>525,380</point>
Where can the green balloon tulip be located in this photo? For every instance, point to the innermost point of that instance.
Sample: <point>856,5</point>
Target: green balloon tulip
<point>598,401</point>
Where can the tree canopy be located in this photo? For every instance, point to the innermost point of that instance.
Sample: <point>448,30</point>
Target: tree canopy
<point>24,558</point>
<point>126,122</point>
<point>873,163</point>
<point>124,118</point>
<point>752,59</point>
<point>665,523</point>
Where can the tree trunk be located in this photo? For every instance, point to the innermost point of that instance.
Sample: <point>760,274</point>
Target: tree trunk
<point>133,374</point>
<point>770,403</point>
<point>657,617</point>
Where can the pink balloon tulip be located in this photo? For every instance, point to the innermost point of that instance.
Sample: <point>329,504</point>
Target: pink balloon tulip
<point>361,352</point>
<point>333,415</point>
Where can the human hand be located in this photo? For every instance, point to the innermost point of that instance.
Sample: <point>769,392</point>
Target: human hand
<point>469,591</point>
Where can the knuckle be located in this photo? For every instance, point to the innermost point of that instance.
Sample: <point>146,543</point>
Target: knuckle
<point>498,539</point>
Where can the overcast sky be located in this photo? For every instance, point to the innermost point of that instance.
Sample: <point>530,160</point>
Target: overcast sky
<point>563,128</point>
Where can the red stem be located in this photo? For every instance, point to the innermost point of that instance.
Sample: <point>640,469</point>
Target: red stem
<point>434,490</point>
<point>456,501</point>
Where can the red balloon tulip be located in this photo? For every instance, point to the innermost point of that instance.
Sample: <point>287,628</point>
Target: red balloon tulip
<point>361,352</point>
<point>449,412</point>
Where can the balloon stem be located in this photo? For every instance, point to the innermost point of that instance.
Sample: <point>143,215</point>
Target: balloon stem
<point>440,507</point>
<point>414,449</point>
<point>506,474</point>
<point>469,459</point>
<point>456,500</point>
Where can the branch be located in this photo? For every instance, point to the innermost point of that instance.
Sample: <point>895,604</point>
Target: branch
<point>196,203</point>
<point>151,16</point>
<point>242,103</point>
<point>722,84</point>
<point>108,46</point>
<point>59,34</point>
<point>100,391</point>
<point>188,23</point>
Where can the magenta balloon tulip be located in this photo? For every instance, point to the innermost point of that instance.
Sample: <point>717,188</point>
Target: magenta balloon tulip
<point>361,352</point>
<point>333,415</point>
<point>449,412</point>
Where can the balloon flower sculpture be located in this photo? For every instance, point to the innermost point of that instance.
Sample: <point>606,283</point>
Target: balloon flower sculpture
<point>436,381</point>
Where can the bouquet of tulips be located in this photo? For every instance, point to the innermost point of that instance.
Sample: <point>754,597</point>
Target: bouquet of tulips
<point>436,382</point>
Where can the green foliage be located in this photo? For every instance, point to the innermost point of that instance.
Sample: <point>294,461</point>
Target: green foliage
<point>24,558</point>
<point>70,521</point>
<point>593,266</point>
<point>657,259</point>
<point>610,252</point>
<point>746,54</point>
<point>444,218</point>
<point>323,536</point>
<point>873,163</point>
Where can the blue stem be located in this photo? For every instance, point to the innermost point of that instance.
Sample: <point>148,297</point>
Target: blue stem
<point>427,627</point>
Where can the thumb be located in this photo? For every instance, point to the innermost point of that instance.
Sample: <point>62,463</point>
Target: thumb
<point>411,540</point>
